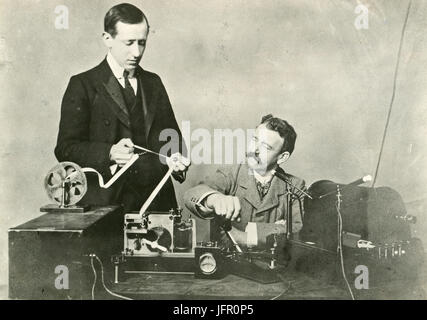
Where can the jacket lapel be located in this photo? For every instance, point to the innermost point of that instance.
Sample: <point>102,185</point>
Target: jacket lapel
<point>251,194</point>
<point>271,199</point>
<point>248,184</point>
<point>109,88</point>
<point>147,106</point>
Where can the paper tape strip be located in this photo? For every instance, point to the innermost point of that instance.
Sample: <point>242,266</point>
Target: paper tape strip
<point>116,176</point>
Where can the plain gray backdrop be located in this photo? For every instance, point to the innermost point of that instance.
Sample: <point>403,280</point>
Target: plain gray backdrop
<point>225,64</point>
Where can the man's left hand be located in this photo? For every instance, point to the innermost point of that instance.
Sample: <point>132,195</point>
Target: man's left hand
<point>178,163</point>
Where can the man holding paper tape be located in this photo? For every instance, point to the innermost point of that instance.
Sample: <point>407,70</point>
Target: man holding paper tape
<point>110,110</point>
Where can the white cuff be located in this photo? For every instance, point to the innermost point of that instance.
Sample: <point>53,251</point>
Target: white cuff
<point>252,234</point>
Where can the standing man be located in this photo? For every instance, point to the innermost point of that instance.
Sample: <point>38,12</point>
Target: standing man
<point>117,105</point>
<point>250,195</point>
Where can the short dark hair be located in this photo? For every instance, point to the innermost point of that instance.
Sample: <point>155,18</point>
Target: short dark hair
<point>284,129</point>
<point>124,12</point>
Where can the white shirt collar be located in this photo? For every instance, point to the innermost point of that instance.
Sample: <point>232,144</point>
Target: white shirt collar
<point>115,67</point>
<point>265,178</point>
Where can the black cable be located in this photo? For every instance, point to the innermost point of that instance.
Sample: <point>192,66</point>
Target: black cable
<point>393,93</point>
<point>339,249</point>
<point>94,278</point>
<point>288,288</point>
<point>92,256</point>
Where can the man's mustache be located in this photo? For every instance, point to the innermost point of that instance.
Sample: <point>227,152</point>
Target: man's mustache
<point>253,155</point>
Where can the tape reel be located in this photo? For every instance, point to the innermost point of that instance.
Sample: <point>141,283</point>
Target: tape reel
<point>65,184</point>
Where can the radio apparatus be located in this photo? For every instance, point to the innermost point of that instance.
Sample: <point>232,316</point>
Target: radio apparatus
<point>372,230</point>
<point>159,233</point>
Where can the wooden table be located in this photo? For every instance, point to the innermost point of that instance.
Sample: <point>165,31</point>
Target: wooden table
<point>294,286</point>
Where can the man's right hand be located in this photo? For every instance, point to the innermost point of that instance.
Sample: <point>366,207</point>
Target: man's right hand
<point>226,206</point>
<point>122,151</point>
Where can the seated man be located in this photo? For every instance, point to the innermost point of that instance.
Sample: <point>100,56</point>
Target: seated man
<point>250,195</point>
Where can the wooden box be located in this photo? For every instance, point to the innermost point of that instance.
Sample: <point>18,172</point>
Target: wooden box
<point>43,250</point>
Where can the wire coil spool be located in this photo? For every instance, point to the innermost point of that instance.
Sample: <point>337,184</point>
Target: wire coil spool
<point>65,184</point>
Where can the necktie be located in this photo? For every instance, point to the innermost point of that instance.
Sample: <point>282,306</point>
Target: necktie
<point>263,188</point>
<point>128,91</point>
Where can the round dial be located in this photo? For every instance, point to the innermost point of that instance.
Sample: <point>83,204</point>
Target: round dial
<point>207,263</point>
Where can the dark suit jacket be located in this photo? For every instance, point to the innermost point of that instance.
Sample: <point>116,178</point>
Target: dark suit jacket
<point>93,113</point>
<point>238,181</point>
